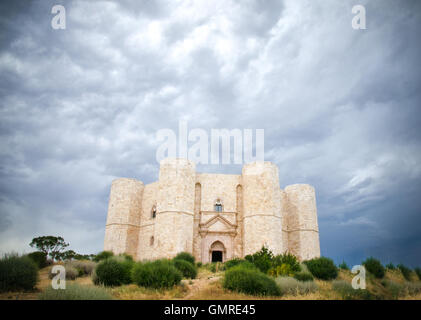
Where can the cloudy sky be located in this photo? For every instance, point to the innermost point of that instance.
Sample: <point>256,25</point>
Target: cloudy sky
<point>340,109</point>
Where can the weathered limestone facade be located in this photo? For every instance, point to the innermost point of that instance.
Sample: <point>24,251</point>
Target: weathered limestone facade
<point>213,216</point>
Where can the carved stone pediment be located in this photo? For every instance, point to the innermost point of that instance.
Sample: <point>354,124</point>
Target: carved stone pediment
<point>218,224</point>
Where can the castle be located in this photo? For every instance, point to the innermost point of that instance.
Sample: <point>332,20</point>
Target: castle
<point>216,217</point>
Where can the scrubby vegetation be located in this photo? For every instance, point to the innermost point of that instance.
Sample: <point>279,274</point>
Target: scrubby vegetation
<point>75,268</point>
<point>390,266</point>
<point>113,272</point>
<point>156,274</point>
<point>185,256</point>
<point>84,267</point>
<point>122,278</point>
<point>343,266</point>
<point>17,273</point>
<point>398,290</point>
<point>375,267</point>
<point>216,266</point>
<point>262,259</point>
<point>304,276</point>
<point>71,272</point>
<point>39,258</point>
<point>103,255</point>
<point>406,272</point>
<point>347,292</point>
<point>250,281</point>
<point>186,268</point>
<point>75,292</point>
<point>292,286</point>
<point>418,273</point>
<point>284,265</point>
<point>236,262</point>
<point>322,268</point>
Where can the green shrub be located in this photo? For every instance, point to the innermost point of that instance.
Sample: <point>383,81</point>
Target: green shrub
<point>347,292</point>
<point>156,274</point>
<point>343,266</point>
<point>286,259</point>
<point>418,272</point>
<point>236,262</point>
<point>75,292</point>
<point>127,263</point>
<point>322,268</point>
<point>17,273</point>
<point>39,257</point>
<point>186,268</point>
<point>406,272</point>
<point>289,285</point>
<point>304,276</point>
<point>103,255</point>
<point>111,272</point>
<point>262,259</point>
<point>199,264</point>
<point>185,256</point>
<point>374,266</point>
<point>250,281</point>
<point>282,270</point>
<point>390,266</point>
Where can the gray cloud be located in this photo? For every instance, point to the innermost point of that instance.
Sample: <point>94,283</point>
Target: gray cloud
<point>340,109</point>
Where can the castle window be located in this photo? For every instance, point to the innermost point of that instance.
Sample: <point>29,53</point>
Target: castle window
<point>153,212</point>
<point>152,241</point>
<point>218,206</point>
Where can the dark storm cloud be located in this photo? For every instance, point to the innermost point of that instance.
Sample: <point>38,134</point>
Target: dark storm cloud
<point>340,109</point>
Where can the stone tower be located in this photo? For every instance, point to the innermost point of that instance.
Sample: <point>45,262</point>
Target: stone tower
<point>262,208</point>
<point>123,220</point>
<point>216,217</point>
<point>175,207</point>
<point>301,217</point>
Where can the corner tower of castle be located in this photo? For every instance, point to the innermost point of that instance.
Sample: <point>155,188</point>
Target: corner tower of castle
<point>216,217</point>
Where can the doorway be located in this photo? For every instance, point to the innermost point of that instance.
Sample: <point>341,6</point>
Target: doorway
<point>216,256</point>
<point>217,252</point>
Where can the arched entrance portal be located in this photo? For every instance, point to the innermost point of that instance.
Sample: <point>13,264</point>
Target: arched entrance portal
<point>217,252</point>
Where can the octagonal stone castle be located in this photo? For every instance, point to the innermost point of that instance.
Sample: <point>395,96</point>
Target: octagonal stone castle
<point>216,217</point>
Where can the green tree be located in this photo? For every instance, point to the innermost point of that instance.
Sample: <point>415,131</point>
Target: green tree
<point>50,245</point>
<point>66,255</point>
